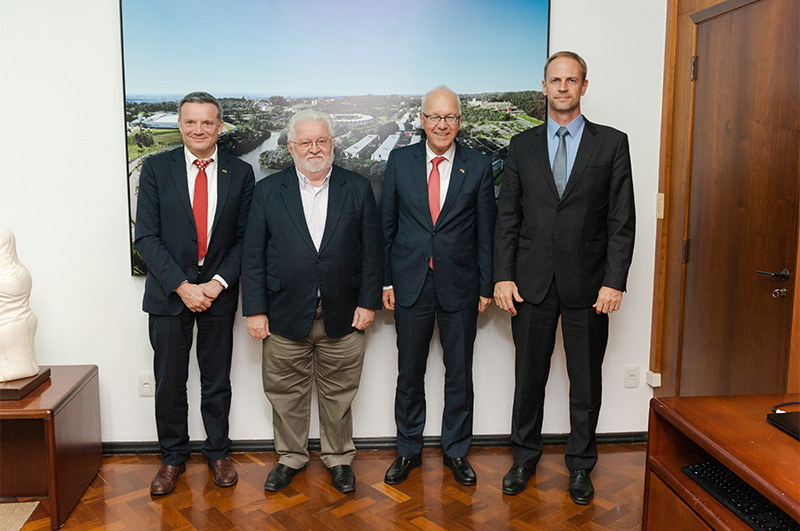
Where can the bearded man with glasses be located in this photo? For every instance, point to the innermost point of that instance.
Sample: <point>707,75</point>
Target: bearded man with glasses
<point>437,213</point>
<point>311,282</point>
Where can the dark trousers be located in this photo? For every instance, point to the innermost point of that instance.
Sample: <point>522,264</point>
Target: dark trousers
<point>457,335</point>
<point>171,338</point>
<point>585,337</point>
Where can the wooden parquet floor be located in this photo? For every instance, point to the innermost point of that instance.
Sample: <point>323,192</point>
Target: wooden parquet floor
<point>119,497</point>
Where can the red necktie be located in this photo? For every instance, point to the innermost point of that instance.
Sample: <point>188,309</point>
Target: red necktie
<point>433,192</point>
<point>200,206</point>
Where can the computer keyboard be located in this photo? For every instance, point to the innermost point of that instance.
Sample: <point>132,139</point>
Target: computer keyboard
<point>742,499</point>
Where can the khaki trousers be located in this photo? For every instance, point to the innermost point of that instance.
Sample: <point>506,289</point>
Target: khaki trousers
<point>290,368</point>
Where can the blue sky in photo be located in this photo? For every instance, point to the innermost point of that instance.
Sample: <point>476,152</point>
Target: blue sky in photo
<point>332,47</point>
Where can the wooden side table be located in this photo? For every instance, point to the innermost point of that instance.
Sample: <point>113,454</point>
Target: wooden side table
<point>50,440</point>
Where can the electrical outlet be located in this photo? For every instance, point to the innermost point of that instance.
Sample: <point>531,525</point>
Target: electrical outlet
<point>653,379</point>
<point>631,377</point>
<point>147,385</point>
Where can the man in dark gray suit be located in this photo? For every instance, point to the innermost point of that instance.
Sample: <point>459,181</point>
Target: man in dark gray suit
<point>191,214</point>
<point>563,247</point>
<point>311,281</point>
<point>437,212</point>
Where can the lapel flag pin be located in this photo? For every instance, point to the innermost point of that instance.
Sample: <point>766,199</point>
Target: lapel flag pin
<point>461,170</point>
<point>224,171</point>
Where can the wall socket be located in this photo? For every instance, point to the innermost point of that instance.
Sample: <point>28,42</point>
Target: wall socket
<point>147,385</point>
<point>631,377</point>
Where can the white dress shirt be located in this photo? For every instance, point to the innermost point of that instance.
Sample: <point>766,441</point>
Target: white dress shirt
<point>315,205</point>
<point>211,180</point>
<point>445,168</point>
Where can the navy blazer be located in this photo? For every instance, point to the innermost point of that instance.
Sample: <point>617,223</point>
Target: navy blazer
<point>461,241</point>
<point>282,271</point>
<point>166,236</point>
<point>585,239</point>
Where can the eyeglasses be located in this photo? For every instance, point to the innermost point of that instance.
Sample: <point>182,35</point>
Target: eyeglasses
<point>449,119</point>
<point>321,143</point>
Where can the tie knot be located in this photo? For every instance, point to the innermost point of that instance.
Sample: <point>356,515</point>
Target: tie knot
<point>562,132</point>
<point>202,164</point>
<point>436,161</point>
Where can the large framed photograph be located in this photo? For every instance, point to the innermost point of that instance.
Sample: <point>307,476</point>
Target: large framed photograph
<point>367,63</point>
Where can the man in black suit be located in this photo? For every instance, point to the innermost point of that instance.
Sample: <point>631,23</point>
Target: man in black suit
<point>311,281</point>
<point>563,247</point>
<point>191,215</point>
<point>437,212</point>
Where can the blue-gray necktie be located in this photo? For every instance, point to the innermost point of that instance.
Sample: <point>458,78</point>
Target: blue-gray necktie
<point>560,162</point>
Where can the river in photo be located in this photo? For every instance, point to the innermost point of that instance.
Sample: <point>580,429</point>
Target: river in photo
<point>251,157</point>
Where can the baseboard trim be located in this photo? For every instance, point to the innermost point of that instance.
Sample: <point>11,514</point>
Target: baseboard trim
<point>370,443</point>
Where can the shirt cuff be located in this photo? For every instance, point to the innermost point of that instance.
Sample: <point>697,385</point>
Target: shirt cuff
<point>220,280</point>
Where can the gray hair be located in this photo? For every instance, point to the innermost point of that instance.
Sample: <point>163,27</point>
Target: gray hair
<point>200,97</point>
<point>566,55</point>
<point>444,88</point>
<point>308,116</point>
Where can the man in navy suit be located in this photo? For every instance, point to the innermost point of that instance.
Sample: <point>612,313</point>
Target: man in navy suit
<point>438,213</point>
<point>191,215</point>
<point>311,281</point>
<point>563,247</point>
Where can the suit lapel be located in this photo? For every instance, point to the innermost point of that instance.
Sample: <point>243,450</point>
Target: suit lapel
<point>542,157</point>
<point>223,186</point>
<point>419,174</point>
<point>290,194</point>
<point>458,174</point>
<point>336,196</point>
<point>585,151</point>
<point>179,178</point>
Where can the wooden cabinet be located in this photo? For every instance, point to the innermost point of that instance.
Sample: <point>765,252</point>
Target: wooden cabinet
<point>50,440</point>
<point>734,431</point>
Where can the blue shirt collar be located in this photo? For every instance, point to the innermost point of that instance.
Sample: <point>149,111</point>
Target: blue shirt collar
<point>573,127</point>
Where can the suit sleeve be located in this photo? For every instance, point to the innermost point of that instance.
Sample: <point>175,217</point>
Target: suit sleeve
<point>621,219</point>
<point>372,272</point>
<point>147,241</point>
<point>486,213</point>
<point>254,258</point>
<point>509,220</point>
<point>389,216</point>
<point>231,267</point>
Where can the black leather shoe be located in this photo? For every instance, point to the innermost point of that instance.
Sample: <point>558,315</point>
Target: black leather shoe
<point>399,470</point>
<point>343,478</point>
<point>516,479</point>
<point>581,489</point>
<point>280,477</point>
<point>462,470</point>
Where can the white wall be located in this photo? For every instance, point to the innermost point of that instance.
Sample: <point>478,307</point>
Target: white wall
<point>63,193</point>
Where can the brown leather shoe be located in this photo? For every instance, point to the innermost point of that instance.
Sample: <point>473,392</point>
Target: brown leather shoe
<point>166,479</point>
<point>224,473</point>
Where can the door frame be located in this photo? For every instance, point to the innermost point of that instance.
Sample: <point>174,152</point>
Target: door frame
<point>674,170</point>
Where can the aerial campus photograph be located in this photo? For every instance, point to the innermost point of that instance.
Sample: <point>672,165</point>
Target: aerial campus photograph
<point>367,64</point>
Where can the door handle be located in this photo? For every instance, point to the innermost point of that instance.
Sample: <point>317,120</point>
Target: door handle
<point>783,275</point>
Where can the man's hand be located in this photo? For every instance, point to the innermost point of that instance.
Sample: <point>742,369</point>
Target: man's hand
<point>484,303</point>
<point>362,318</point>
<point>505,293</point>
<point>258,326</point>
<point>194,297</point>
<point>608,300</point>
<point>212,289</point>
<point>388,299</point>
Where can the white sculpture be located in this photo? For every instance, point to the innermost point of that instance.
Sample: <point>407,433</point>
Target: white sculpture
<point>17,322</point>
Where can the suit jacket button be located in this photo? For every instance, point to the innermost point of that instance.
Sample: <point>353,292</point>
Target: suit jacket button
<point>560,210</point>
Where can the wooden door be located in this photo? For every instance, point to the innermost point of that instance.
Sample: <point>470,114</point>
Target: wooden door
<point>743,200</point>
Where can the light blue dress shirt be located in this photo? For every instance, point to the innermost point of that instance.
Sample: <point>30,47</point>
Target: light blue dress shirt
<point>573,140</point>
